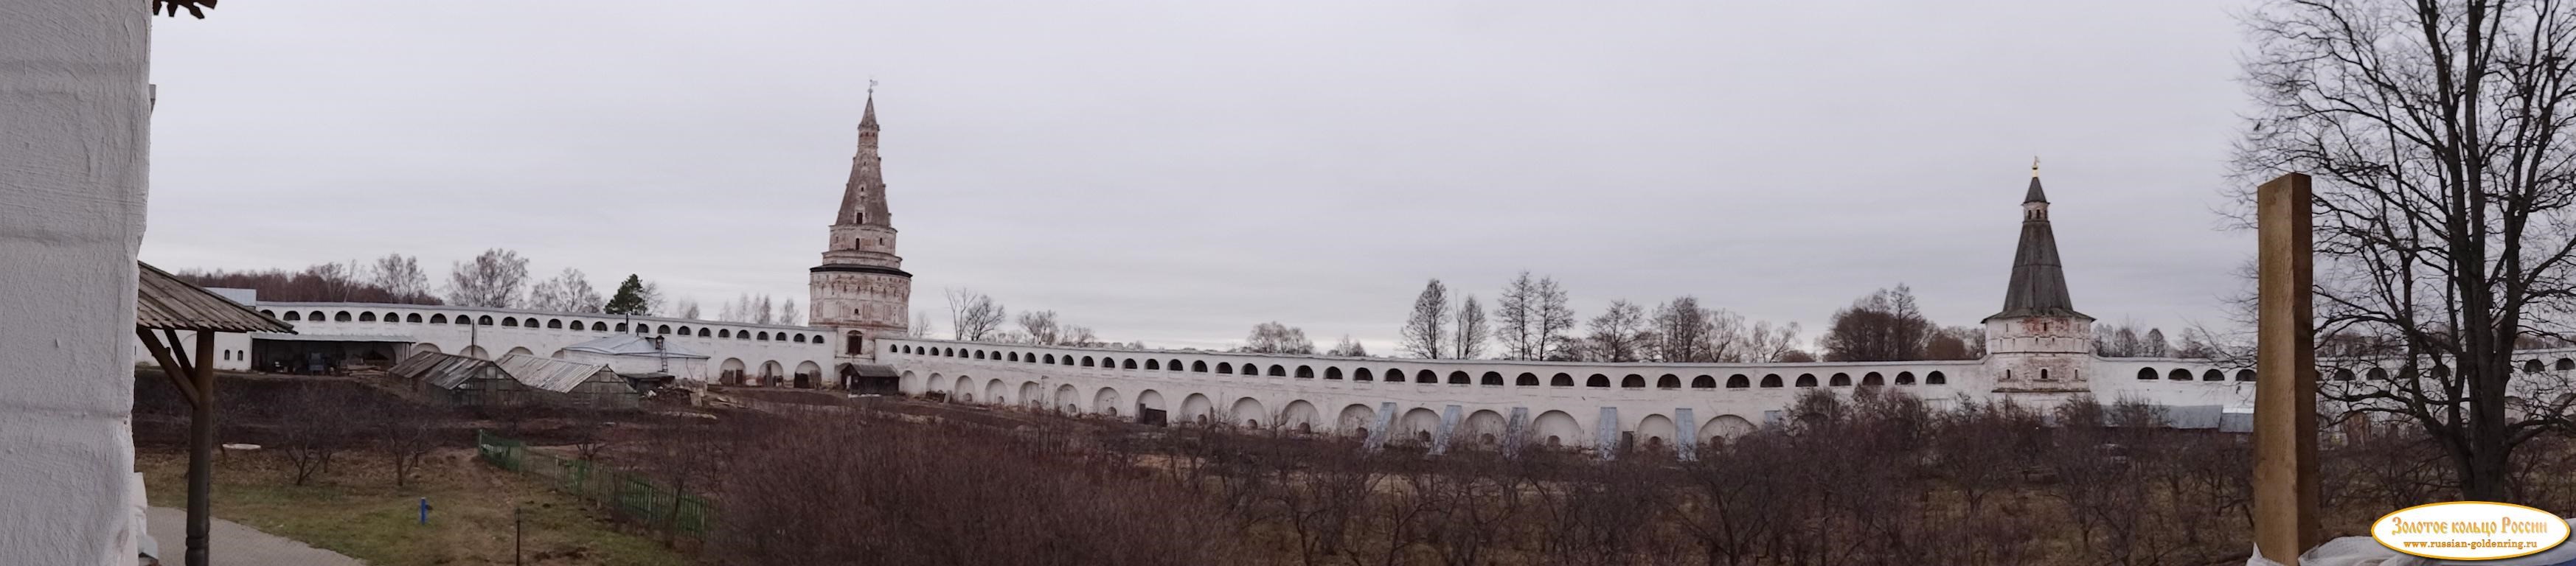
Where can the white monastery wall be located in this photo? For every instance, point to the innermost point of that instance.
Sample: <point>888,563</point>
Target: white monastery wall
<point>1652,400</point>
<point>760,350</point>
<point>74,112</point>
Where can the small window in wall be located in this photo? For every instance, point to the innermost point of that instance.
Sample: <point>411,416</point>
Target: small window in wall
<point>857,342</point>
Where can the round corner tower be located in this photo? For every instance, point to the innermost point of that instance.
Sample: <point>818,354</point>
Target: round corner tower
<point>2038,343</point>
<point>861,292</point>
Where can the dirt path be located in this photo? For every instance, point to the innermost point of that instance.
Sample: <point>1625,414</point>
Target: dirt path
<point>234,544</point>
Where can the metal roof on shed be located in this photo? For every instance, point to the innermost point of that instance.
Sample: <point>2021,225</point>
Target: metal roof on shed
<point>445,371</point>
<point>548,373</point>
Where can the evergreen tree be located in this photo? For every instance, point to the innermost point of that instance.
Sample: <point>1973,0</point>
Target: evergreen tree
<point>630,297</point>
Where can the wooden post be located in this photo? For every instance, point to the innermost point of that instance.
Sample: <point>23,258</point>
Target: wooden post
<point>201,454</point>
<point>2285,390</point>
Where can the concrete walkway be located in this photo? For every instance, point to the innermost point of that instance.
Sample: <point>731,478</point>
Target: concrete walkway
<point>234,544</point>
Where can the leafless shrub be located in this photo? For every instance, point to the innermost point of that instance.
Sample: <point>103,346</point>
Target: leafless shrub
<point>314,426</point>
<point>860,491</point>
<point>1867,476</point>
<point>405,432</point>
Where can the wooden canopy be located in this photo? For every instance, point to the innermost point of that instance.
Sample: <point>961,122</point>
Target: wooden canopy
<point>163,302</point>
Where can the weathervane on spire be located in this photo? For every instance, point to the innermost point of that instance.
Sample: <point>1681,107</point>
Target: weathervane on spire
<point>872,86</point>
<point>2034,166</point>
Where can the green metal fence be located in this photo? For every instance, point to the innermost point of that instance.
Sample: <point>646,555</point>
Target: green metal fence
<point>631,495</point>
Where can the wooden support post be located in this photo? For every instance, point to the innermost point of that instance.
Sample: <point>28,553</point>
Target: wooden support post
<point>201,452</point>
<point>2285,390</point>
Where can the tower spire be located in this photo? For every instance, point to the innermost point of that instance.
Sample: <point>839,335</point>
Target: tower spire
<point>2038,285</point>
<point>863,200</point>
<point>868,118</point>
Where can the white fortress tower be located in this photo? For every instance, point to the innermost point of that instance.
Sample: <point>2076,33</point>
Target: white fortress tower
<point>2038,344</point>
<point>861,292</point>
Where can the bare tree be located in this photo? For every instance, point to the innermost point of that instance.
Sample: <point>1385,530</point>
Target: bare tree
<point>974,316</point>
<point>588,432</point>
<point>1470,342</point>
<point>1532,319</point>
<point>406,433</point>
<point>1041,327</point>
<point>1348,348</point>
<point>762,313</point>
<point>1683,332</point>
<point>319,427</point>
<point>2440,135</point>
<point>401,275</point>
<point>1767,342</point>
<point>682,457</point>
<point>1555,320</point>
<point>788,314</point>
<point>337,281</point>
<point>1275,338</point>
<point>323,282</point>
<point>1618,335</point>
<point>1956,343</point>
<point>1425,331</point>
<point>688,308</point>
<point>489,280</point>
<point>1885,326</point>
<point>1075,335</point>
<point>920,325</point>
<point>1727,336</point>
<point>2153,345</point>
<point>1517,318</point>
<point>569,291</point>
<point>2119,340</point>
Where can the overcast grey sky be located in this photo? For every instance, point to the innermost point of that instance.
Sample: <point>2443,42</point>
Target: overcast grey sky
<point>1175,172</point>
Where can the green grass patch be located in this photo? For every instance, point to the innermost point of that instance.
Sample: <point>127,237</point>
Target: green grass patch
<point>356,510</point>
